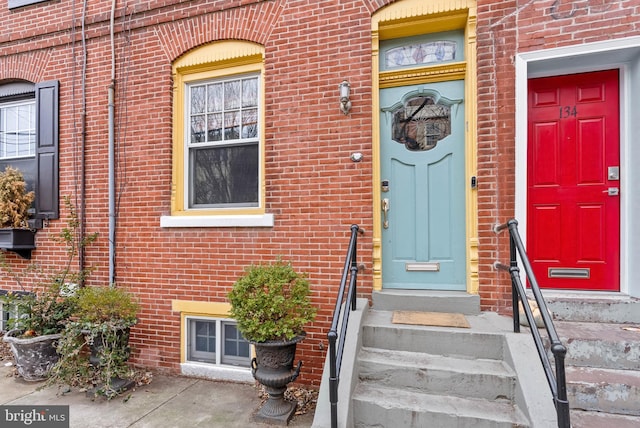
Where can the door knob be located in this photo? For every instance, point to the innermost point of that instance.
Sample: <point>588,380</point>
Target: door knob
<point>385,211</point>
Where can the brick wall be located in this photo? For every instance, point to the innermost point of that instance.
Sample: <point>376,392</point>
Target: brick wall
<point>312,187</point>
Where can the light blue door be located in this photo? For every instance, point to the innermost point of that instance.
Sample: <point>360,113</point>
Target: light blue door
<point>422,170</point>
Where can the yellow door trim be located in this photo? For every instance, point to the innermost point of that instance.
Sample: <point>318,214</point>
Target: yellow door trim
<point>407,18</point>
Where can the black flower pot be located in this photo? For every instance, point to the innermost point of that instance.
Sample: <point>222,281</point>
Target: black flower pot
<point>34,356</point>
<point>273,368</point>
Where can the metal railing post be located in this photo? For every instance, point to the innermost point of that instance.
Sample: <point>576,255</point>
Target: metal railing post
<point>354,263</point>
<point>333,379</point>
<point>562,403</point>
<point>513,263</point>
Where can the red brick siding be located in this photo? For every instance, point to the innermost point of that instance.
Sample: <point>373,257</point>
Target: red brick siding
<point>312,187</point>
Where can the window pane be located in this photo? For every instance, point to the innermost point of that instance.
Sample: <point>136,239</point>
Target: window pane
<point>232,95</point>
<point>214,127</point>
<point>205,336</point>
<point>197,99</point>
<point>250,123</point>
<point>31,127</point>
<point>232,125</point>
<point>225,175</point>
<point>201,343</point>
<point>202,328</point>
<point>243,349</point>
<point>230,347</point>
<point>214,97</point>
<point>422,53</point>
<point>11,120</point>
<point>197,129</point>
<point>250,92</point>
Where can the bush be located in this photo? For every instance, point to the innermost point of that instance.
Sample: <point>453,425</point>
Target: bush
<point>271,302</point>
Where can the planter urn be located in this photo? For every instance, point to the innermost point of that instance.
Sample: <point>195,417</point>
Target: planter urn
<point>34,356</point>
<point>273,368</point>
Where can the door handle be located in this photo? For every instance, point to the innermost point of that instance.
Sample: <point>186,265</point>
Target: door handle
<point>385,211</point>
<point>612,191</point>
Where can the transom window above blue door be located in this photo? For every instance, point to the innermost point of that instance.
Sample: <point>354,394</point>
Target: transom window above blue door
<point>421,51</point>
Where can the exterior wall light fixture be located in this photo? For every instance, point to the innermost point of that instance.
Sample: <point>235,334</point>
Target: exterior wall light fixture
<point>345,102</point>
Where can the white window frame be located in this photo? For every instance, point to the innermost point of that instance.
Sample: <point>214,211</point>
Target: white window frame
<point>31,102</point>
<point>189,146</point>
<point>219,354</point>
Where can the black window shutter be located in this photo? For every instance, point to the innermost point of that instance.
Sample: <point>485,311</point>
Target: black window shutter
<point>47,192</point>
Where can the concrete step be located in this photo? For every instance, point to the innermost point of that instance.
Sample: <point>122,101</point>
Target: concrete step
<point>613,346</point>
<point>379,406</point>
<point>483,340</point>
<point>584,419</point>
<point>606,308</point>
<point>436,374</point>
<point>604,390</point>
<point>426,301</point>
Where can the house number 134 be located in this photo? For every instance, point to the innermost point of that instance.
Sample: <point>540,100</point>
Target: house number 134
<point>568,111</point>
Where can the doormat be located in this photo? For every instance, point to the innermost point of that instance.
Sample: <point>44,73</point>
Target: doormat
<point>438,319</point>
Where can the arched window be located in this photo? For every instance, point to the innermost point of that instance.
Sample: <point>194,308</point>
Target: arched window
<point>219,137</point>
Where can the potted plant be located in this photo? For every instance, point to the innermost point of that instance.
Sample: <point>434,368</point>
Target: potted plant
<point>271,304</point>
<point>15,202</point>
<point>40,317</point>
<point>43,304</point>
<point>100,324</point>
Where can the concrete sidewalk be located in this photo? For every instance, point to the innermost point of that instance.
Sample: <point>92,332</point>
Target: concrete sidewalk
<point>167,402</point>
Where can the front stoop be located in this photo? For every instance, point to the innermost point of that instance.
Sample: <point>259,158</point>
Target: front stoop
<point>416,376</point>
<point>424,376</point>
<point>603,358</point>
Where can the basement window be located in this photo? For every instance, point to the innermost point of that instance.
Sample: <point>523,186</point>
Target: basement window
<point>217,341</point>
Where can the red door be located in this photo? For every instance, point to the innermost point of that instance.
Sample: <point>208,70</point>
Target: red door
<point>573,214</point>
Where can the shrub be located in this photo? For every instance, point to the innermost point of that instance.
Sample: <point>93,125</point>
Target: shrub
<point>271,302</point>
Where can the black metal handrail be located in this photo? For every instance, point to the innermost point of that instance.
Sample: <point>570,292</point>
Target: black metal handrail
<point>350,272</point>
<point>557,383</point>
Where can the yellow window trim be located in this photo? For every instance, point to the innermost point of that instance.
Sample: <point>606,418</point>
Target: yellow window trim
<point>214,60</point>
<point>196,309</point>
<point>436,73</point>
